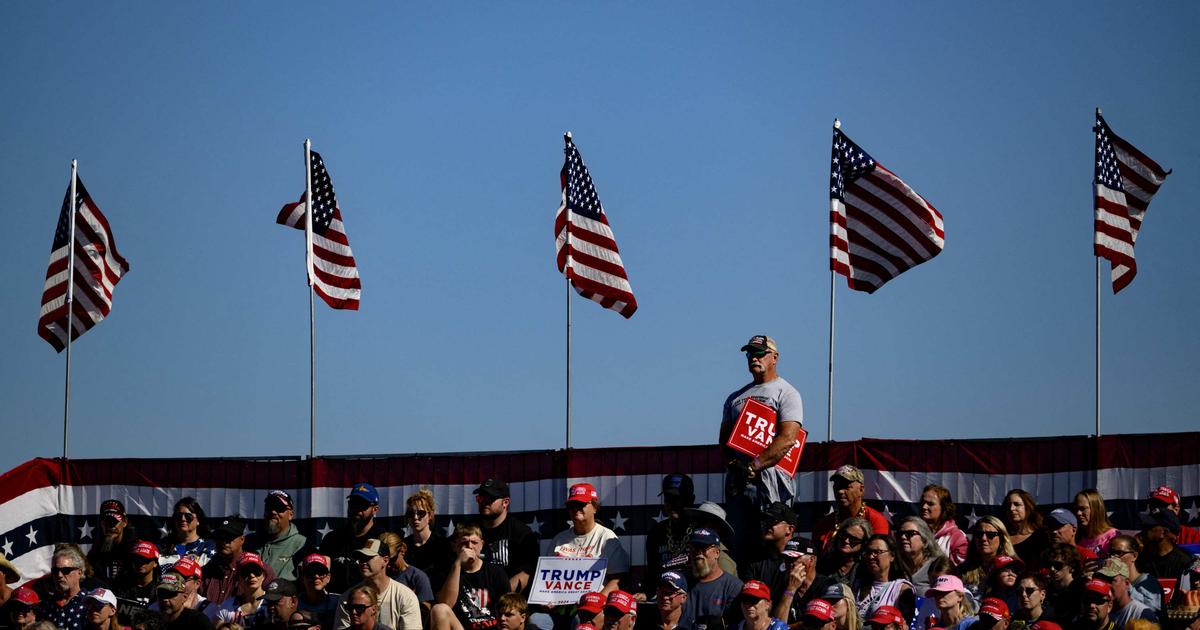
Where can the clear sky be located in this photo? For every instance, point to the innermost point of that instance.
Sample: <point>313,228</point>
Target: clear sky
<point>706,126</point>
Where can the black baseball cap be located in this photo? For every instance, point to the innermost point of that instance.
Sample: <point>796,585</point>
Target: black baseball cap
<point>778,511</point>
<point>493,488</point>
<point>678,484</point>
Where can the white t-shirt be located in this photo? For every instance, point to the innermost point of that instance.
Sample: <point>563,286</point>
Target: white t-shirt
<point>399,608</point>
<point>601,542</point>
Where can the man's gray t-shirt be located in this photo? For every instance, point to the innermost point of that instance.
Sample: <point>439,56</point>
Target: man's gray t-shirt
<point>779,395</point>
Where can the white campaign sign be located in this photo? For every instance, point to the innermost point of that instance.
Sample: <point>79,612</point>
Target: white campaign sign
<point>560,581</point>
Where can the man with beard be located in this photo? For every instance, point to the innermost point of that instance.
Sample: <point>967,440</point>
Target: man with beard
<point>1096,607</point>
<point>666,542</point>
<point>507,542</point>
<point>282,599</point>
<point>110,554</point>
<point>189,574</point>
<point>136,587</point>
<point>340,545</point>
<point>220,574</point>
<point>280,544</point>
<point>399,607</point>
<point>713,591</point>
<point>175,614</point>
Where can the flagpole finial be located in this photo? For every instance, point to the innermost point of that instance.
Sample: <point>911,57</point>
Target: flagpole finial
<point>567,136</point>
<point>837,124</point>
<point>74,164</point>
<point>1097,110</point>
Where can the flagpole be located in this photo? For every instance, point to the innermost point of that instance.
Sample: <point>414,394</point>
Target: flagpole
<point>1093,193</point>
<point>837,124</point>
<point>312,329</point>
<point>70,308</point>
<point>567,270</point>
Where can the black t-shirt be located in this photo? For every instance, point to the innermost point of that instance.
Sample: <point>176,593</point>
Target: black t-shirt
<point>1030,550</point>
<point>773,571</point>
<point>108,565</point>
<point>339,544</point>
<point>434,558</point>
<point>1169,567</point>
<point>510,545</point>
<point>478,595</point>
<point>189,620</point>
<point>133,600</point>
<point>666,550</point>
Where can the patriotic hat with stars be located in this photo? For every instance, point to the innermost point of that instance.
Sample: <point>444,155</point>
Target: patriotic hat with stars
<point>103,596</point>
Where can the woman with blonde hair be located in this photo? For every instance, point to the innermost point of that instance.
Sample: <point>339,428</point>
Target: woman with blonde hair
<point>427,550</point>
<point>1095,532</point>
<point>405,573</point>
<point>845,606</point>
<point>989,539</point>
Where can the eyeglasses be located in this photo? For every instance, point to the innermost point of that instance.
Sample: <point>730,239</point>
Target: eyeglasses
<point>988,535</point>
<point>1029,590</point>
<point>357,609</point>
<point>416,514</point>
<point>852,539</point>
<point>875,553</point>
<point>186,517</point>
<point>907,533</point>
<point>64,570</point>
<point>1119,552</point>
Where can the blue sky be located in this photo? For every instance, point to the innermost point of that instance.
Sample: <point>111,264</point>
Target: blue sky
<point>706,127</point>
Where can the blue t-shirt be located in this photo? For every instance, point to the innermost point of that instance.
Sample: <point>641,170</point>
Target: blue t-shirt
<point>712,599</point>
<point>414,578</point>
<point>775,625</point>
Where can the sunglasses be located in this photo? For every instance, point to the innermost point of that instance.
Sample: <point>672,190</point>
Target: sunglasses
<point>1058,566</point>
<point>989,535</point>
<point>756,354</point>
<point>853,540</point>
<point>250,572</point>
<point>186,517</point>
<point>416,514</point>
<point>357,609</point>
<point>168,594</point>
<point>316,573</point>
<point>1029,590</point>
<point>907,533</point>
<point>64,570</point>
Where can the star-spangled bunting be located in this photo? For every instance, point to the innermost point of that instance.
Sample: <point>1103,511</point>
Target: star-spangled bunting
<point>586,248</point>
<point>879,226</point>
<point>1125,179</point>
<point>335,274</point>
<point>98,269</point>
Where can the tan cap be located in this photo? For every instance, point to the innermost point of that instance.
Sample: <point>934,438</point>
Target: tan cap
<point>761,342</point>
<point>849,473</point>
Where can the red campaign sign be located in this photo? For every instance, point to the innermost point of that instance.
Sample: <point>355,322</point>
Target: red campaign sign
<point>755,429</point>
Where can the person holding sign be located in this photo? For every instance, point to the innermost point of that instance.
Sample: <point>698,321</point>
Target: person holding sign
<point>588,539</point>
<point>753,483</point>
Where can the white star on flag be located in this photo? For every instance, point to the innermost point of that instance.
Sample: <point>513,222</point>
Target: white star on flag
<point>536,525</point>
<point>7,548</point>
<point>1192,512</point>
<point>324,531</point>
<point>972,518</point>
<point>660,518</point>
<point>32,536</point>
<point>85,531</point>
<point>619,521</point>
<point>450,528</point>
<point>888,512</point>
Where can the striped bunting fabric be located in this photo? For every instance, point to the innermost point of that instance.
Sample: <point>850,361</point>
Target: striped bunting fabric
<point>335,274</point>
<point>44,502</point>
<point>880,227</point>
<point>586,248</point>
<point>98,269</point>
<point>1125,179</point>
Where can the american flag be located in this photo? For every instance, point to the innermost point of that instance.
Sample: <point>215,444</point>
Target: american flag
<point>880,227</point>
<point>98,269</point>
<point>335,274</point>
<point>1126,179</point>
<point>587,249</point>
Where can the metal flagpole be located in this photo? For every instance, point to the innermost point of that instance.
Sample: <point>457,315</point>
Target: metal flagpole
<point>70,307</point>
<point>566,270</point>
<point>1097,324</point>
<point>837,124</point>
<point>832,285</point>
<point>312,329</point>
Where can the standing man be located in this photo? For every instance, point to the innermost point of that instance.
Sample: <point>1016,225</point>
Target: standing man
<point>341,544</point>
<point>666,542</point>
<point>280,543</point>
<point>110,555</point>
<point>753,484</point>
<point>507,542</point>
<point>849,486</point>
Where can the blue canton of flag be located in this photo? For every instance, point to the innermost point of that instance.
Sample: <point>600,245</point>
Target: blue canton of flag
<point>1108,172</point>
<point>850,162</point>
<point>581,193</point>
<point>324,201</point>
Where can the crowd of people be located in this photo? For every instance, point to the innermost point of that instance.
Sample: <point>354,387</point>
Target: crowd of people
<point>1065,570</point>
<point>740,565</point>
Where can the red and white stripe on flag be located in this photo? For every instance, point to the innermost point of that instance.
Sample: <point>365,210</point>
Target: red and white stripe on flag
<point>335,274</point>
<point>586,248</point>
<point>98,269</point>
<point>879,226</point>
<point>1126,180</point>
